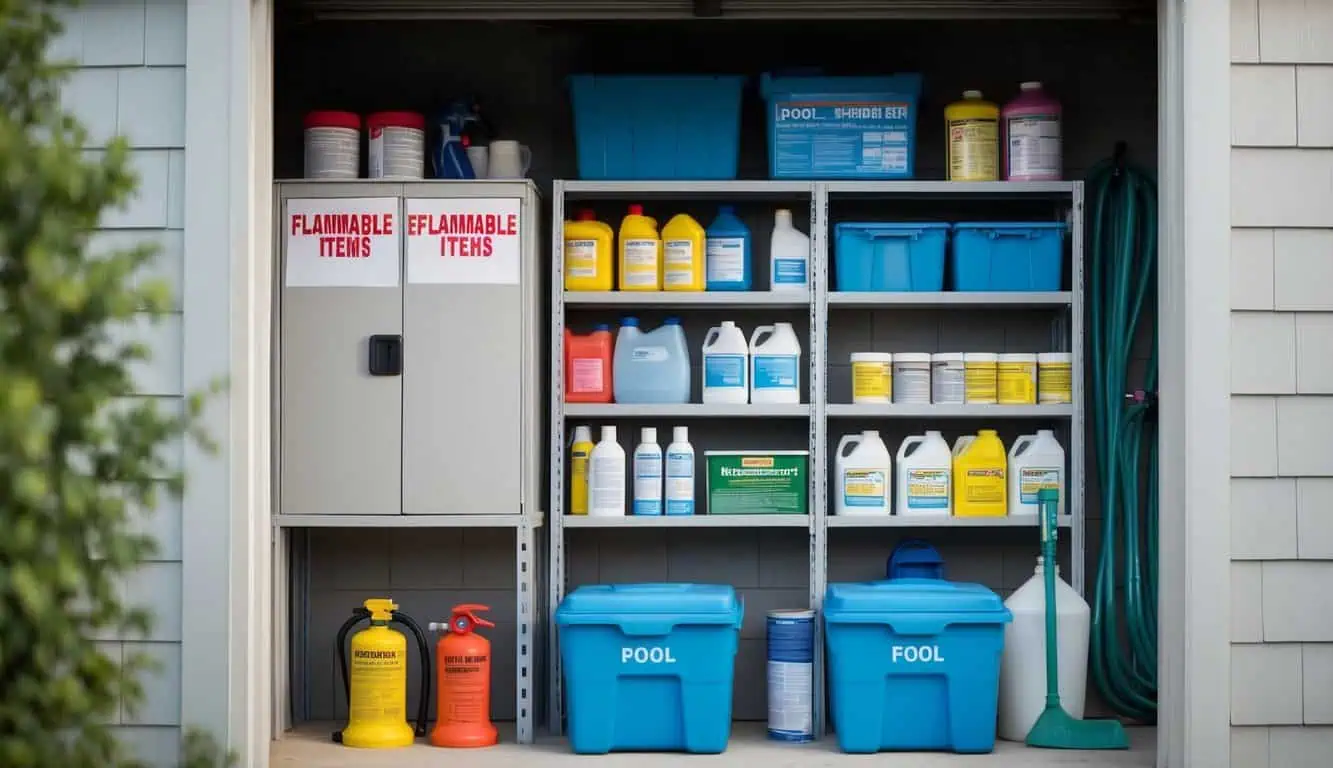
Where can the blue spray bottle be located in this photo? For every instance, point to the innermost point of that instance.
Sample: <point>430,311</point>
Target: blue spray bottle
<point>727,252</point>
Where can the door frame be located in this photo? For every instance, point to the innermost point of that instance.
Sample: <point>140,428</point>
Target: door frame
<point>232,635</point>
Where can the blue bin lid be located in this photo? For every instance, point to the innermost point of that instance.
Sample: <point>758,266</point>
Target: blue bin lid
<point>1011,225</point>
<point>871,227</point>
<point>914,606</point>
<point>622,604</point>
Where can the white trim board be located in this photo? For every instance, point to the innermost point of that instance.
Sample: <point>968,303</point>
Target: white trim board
<point>228,576</point>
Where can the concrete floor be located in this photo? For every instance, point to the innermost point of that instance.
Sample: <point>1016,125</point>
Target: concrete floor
<point>309,747</point>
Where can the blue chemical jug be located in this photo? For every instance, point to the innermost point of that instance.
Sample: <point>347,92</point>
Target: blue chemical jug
<point>727,253</point>
<point>652,367</point>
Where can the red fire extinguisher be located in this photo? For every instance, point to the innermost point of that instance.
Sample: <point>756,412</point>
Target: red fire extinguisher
<point>463,664</point>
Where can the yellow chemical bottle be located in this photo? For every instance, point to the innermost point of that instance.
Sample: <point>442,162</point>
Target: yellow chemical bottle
<point>579,453</point>
<point>682,254</point>
<point>377,687</point>
<point>589,259</point>
<point>979,468</point>
<point>973,139</point>
<point>640,252</point>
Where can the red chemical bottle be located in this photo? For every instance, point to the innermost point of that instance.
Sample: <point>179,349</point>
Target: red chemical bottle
<point>463,664</point>
<point>588,366</point>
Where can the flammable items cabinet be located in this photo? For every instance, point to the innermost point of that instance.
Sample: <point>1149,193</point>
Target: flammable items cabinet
<point>408,348</point>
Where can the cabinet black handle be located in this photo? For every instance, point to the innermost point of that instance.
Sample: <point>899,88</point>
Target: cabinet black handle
<point>386,355</point>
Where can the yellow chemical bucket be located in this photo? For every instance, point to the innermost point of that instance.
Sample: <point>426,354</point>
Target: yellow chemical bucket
<point>872,377</point>
<point>979,377</point>
<point>979,475</point>
<point>1016,379</point>
<point>1055,377</point>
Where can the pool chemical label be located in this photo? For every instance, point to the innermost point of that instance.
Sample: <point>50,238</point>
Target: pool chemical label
<point>724,260</point>
<point>649,354</point>
<point>678,262</point>
<point>587,374</point>
<point>916,654</point>
<point>775,372</point>
<point>927,488</point>
<point>790,646</point>
<point>984,485</point>
<point>640,261</point>
<point>974,149</point>
<point>1034,145</point>
<point>724,370</point>
<point>648,480</point>
<point>679,483</point>
<point>864,487</point>
<point>464,241</point>
<point>1031,480</point>
<point>654,654</point>
<point>842,136</point>
<point>581,258</point>
<point>789,272</point>
<point>757,482</point>
<point>342,243</point>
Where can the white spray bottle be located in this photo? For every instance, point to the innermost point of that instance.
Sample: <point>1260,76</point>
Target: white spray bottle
<point>648,474</point>
<point>606,477</point>
<point>680,473</point>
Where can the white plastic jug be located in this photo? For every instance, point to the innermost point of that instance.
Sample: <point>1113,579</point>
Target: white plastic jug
<point>865,472</point>
<point>652,366</point>
<point>925,467</point>
<point>789,255</point>
<point>1035,462</point>
<point>606,477</point>
<point>1023,663</point>
<point>726,368</point>
<point>775,364</point>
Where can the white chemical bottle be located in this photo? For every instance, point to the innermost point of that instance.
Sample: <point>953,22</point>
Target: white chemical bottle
<point>775,365</point>
<point>606,477</point>
<point>1035,462</point>
<point>648,474</point>
<point>865,473</point>
<point>726,368</point>
<point>925,467</point>
<point>789,255</point>
<point>1023,662</point>
<point>680,473</point>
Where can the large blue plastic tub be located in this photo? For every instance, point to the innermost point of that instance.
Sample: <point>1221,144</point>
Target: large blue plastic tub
<point>914,664</point>
<point>657,127</point>
<point>1008,256</point>
<point>889,256</point>
<point>842,127</point>
<point>648,667</point>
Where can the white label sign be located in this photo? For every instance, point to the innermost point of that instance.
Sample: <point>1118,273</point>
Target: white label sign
<point>464,240</point>
<point>343,242</point>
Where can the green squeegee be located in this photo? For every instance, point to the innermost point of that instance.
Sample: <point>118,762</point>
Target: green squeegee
<point>1056,729</point>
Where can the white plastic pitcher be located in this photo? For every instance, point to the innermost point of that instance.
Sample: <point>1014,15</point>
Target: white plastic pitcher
<point>775,365</point>
<point>1035,462</point>
<point>726,368</point>
<point>925,476</point>
<point>865,473</point>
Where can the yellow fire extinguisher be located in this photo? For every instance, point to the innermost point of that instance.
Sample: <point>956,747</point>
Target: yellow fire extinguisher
<point>376,686</point>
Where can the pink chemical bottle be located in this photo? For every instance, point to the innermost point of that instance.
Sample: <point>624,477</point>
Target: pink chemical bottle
<point>1030,126</point>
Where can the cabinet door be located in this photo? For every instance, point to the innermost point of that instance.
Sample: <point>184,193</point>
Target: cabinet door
<point>341,425</point>
<point>463,328</point>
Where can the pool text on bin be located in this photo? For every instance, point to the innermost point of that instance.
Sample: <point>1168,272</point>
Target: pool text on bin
<point>657,654</point>
<point>916,653</point>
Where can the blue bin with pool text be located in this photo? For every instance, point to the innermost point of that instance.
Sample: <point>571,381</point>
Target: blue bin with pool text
<point>914,665</point>
<point>649,667</point>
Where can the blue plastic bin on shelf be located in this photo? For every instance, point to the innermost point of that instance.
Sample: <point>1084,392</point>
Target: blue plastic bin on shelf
<point>1008,256</point>
<point>648,667</point>
<point>914,664</point>
<point>657,126</point>
<point>889,256</point>
<point>841,127</point>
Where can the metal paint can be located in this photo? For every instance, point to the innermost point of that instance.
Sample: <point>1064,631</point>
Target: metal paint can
<point>791,675</point>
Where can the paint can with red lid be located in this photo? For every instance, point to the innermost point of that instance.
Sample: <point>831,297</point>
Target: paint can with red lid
<point>332,145</point>
<point>397,145</point>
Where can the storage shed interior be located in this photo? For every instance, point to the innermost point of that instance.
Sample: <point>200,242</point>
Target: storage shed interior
<point>1105,73</point>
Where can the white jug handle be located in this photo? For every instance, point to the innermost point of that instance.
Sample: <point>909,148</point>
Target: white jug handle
<point>1021,445</point>
<point>711,336</point>
<point>526,156</point>
<point>763,329</point>
<point>908,443</point>
<point>855,439</point>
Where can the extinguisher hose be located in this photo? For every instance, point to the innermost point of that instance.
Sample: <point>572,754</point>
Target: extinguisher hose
<point>358,615</point>
<point>423,706</point>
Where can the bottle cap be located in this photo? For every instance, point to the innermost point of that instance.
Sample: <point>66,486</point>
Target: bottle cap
<point>582,434</point>
<point>601,327</point>
<point>632,322</point>
<point>635,209</point>
<point>671,321</point>
<point>971,94</point>
<point>782,216</point>
<point>587,214</point>
<point>680,434</point>
<point>648,435</point>
<point>609,433</point>
<point>726,209</point>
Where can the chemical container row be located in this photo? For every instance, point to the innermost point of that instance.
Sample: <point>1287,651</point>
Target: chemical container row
<point>689,127</point>
<point>974,478</point>
<point>955,378</point>
<point>682,255</point>
<point>982,256</point>
<point>637,366</point>
<point>737,482</point>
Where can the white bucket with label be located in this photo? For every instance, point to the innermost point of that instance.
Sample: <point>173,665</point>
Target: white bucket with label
<point>397,145</point>
<point>947,378</point>
<point>332,145</point>
<point>911,378</point>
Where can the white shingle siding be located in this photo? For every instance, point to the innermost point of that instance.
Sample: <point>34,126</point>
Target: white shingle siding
<point>130,81</point>
<point>1282,383</point>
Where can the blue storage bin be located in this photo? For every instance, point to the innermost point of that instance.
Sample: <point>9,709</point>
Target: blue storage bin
<point>914,664</point>
<point>657,126</point>
<point>648,667</point>
<point>1008,256</point>
<point>889,256</point>
<point>914,559</point>
<point>841,127</point>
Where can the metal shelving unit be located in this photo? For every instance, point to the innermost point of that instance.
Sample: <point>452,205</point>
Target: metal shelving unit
<point>1066,334</point>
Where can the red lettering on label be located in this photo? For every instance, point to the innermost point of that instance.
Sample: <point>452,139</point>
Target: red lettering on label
<point>344,247</point>
<point>321,224</point>
<point>467,246</point>
<point>435,225</point>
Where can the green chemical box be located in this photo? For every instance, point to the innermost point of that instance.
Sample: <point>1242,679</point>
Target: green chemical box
<point>758,482</point>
